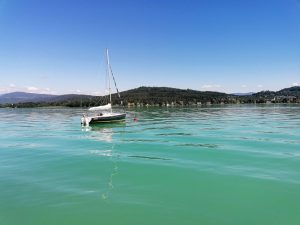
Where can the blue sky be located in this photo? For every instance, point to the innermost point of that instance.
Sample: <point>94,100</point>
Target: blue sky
<point>58,46</point>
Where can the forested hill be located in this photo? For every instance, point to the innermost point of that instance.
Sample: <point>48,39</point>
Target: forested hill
<point>170,96</point>
<point>166,95</point>
<point>285,95</point>
<point>158,96</point>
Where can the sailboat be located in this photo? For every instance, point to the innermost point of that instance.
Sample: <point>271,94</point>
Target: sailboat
<point>104,113</point>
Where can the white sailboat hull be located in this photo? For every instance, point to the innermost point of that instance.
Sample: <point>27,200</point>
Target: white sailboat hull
<point>103,118</point>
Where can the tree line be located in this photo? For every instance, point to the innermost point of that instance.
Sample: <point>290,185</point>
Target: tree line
<point>162,96</point>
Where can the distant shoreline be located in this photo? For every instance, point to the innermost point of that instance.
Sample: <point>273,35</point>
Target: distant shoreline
<point>25,106</point>
<point>151,96</point>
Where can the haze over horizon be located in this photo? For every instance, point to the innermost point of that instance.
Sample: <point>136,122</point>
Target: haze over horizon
<point>42,92</point>
<point>57,47</point>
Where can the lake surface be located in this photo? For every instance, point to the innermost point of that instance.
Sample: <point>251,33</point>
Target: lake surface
<point>230,165</point>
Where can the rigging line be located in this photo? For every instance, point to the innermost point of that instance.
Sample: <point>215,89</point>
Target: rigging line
<point>99,100</point>
<point>119,95</point>
<point>112,74</point>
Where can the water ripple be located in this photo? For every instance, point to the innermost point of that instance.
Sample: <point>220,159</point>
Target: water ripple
<point>48,159</point>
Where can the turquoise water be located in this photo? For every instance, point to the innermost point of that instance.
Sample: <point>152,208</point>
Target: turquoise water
<point>228,165</point>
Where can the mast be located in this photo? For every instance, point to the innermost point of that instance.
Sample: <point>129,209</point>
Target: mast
<point>108,74</point>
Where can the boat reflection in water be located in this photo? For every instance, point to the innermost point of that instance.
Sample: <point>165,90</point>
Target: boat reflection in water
<point>104,132</point>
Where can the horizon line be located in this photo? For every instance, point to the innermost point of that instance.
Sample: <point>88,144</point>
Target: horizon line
<point>98,94</point>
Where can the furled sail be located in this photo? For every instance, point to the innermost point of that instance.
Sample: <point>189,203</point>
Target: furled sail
<point>99,108</point>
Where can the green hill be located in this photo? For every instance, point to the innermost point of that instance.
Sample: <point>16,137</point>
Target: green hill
<point>285,95</point>
<point>166,95</point>
<point>158,96</point>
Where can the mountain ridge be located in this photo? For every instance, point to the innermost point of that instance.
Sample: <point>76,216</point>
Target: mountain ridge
<point>154,96</point>
<point>16,97</point>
